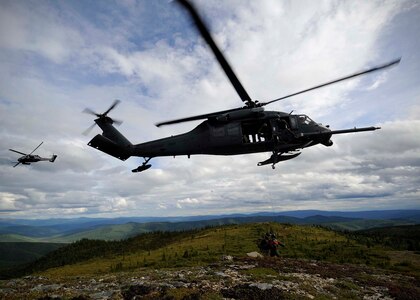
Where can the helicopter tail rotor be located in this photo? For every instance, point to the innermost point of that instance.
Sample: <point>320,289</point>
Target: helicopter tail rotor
<point>111,141</point>
<point>89,129</point>
<point>102,117</point>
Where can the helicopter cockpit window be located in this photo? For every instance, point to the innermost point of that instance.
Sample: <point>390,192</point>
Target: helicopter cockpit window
<point>304,119</point>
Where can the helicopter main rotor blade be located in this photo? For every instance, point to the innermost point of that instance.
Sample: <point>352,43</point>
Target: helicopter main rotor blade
<point>36,148</point>
<point>377,68</point>
<point>220,57</point>
<point>198,117</point>
<point>18,152</point>
<point>16,165</point>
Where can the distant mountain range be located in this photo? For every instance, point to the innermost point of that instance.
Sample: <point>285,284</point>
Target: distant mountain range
<point>69,230</point>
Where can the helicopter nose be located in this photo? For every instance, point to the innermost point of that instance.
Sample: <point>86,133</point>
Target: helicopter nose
<point>327,140</point>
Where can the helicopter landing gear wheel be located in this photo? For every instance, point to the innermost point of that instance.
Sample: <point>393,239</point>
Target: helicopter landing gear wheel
<point>144,166</point>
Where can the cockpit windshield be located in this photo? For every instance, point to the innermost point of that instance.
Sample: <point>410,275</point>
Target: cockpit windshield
<point>304,119</point>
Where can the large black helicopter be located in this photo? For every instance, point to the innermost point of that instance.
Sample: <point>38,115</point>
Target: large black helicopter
<point>27,159</point>
<point>248,129</point>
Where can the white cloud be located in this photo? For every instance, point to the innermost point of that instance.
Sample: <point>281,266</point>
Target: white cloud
<point>379,81</point>
<point>187,202</point>
<point>29,27</point>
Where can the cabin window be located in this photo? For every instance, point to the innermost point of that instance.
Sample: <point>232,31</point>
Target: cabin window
<point>256,132</point>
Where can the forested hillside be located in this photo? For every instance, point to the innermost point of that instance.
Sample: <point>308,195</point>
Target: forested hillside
<point>167,249</point>
<point>212,263</point>
<point>23,252</point>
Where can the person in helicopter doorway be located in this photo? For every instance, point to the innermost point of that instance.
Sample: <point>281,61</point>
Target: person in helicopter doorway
<point>274,245</point>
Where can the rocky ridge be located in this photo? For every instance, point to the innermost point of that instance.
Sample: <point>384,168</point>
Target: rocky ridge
<point>242,278</point>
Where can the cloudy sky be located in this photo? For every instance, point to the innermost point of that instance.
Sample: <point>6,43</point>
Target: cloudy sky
<point>58,57</point>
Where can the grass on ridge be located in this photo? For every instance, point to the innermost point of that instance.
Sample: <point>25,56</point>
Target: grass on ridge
<point>208,245</point>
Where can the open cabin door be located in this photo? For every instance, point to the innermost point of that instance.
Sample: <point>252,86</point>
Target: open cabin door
<point>293,122</point>
<point>258,131</point>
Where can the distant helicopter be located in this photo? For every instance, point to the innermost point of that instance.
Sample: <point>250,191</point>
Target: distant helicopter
<point>27,159</point>
<point>243,130</point>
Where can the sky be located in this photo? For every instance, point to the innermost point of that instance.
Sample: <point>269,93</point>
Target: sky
<point>59,57</point>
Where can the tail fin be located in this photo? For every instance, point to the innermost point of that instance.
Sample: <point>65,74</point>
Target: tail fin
<point>53,158</point>
<point>108,146</point>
